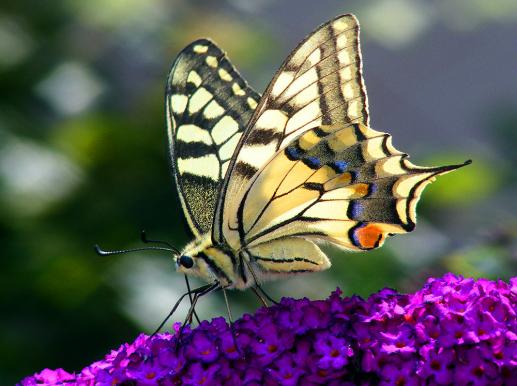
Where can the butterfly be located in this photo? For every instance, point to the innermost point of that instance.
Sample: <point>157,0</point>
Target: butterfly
<point>265,180</point>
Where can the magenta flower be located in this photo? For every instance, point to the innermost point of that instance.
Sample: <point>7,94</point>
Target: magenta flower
<point>452,331</point>
<point>400,373</point>
<point>437,364</point>
<point>333,352</point>
<point>49,377</point>
<point>286,371</point>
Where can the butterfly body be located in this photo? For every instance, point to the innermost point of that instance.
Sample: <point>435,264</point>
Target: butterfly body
<point>239,269</point>
<point>263,181</point>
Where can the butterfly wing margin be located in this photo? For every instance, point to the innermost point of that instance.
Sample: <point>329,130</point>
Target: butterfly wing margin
<point>319,83</point>
<point>208,105</point>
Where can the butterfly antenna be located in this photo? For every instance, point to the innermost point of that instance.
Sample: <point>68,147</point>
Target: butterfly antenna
<point>145,240</point>
<point>102,252</point>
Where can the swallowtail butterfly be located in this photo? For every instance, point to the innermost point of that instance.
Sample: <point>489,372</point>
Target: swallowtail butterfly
<point>263,180</point>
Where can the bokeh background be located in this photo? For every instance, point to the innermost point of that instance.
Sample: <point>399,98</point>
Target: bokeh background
<point>83,156</point>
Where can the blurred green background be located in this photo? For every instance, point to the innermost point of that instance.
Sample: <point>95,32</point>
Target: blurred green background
<point>83,156</point>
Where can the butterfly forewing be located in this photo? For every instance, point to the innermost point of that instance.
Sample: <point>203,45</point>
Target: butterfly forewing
<point>319,83</point>
<point>208,105</point>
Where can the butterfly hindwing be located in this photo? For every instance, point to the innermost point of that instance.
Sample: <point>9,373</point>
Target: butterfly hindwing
<point>344,184</point>
<point>208,105</point>
<point>288,255</point>
<point>319,83</point>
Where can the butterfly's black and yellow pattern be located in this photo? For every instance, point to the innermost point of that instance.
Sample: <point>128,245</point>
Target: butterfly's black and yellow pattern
<point>262,180</point>
<point>208,105</point>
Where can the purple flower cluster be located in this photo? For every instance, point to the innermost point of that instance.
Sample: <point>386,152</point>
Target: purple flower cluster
<point>453,331</point>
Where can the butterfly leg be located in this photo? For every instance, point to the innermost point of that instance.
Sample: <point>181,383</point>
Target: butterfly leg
<point>230,319</point>
<point>266,295</point>
<point>198,292</point>
<point>261,298</point>
<point>190,298</point>
<point>258,286</point>
<point>145,240</point>
<point>178,302</point>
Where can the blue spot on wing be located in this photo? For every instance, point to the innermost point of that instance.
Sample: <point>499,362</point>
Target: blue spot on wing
<point>339,166</point>
<point>355,209</point>
<point>292,153</point>
<point>312,162</point>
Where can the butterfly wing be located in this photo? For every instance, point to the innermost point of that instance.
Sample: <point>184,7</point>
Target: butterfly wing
<point>288,255</point>
<point>319,83</point>
<point>208,105</point>
<point>344,184</point>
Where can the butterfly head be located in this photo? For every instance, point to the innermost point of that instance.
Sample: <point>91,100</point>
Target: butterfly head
<point>191,259</point>
<point>192,266</point>
<point>202,259</point>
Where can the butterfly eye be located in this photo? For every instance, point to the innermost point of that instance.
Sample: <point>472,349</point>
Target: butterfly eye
<point>186,261</point>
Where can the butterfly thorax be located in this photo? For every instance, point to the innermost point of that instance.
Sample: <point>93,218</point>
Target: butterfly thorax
<point>204,259</point>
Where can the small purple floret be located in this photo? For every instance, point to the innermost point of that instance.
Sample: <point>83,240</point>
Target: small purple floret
<point>452,331</point>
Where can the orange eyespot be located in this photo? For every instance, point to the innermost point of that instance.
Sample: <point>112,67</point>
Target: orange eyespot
<point>367,236</point>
